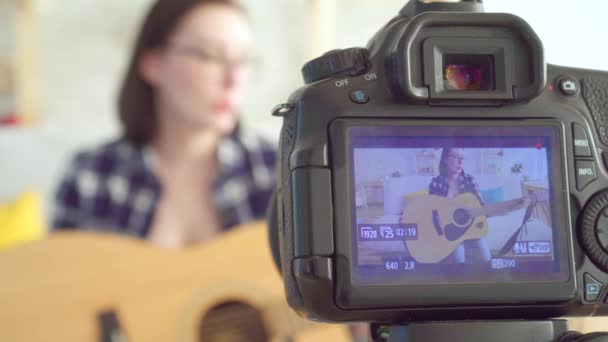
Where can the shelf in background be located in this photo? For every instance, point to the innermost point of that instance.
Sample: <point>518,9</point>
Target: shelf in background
<point>19,73</point>
<point>6,78</point>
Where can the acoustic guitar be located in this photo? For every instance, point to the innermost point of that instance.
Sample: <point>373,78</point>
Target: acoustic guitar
<point>78,286</point>
<point>442,224</point>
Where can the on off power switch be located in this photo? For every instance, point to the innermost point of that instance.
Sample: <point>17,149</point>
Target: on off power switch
<point>335,63</point>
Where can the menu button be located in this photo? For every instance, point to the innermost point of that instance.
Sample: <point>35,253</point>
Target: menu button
<point>582,147</point>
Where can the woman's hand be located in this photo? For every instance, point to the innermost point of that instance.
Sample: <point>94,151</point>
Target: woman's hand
<point>527,201</point>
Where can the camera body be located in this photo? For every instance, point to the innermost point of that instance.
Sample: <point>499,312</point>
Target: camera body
<point>445,172</point>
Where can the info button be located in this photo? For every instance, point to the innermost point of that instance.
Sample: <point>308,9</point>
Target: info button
<point>585,173</point>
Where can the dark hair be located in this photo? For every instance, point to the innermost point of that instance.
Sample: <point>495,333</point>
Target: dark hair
<point>444,154</point>
<point>136,105</point>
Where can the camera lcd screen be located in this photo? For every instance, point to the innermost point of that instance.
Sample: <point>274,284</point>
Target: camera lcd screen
<point>457,204</point>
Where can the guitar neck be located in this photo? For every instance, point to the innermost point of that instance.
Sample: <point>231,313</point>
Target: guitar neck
<point>508,206</point>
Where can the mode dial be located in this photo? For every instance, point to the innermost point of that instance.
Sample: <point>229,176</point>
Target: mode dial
<point>593,230</point>
<point>336,62</point>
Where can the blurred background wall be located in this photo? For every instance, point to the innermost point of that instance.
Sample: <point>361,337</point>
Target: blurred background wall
<point>82,46</point>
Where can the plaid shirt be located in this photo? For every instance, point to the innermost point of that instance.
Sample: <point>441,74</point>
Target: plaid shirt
<point>466,183</point>
<point>113,188</point>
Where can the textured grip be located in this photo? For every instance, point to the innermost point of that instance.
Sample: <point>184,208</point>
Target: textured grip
<point>595,93</point>
<point>287,142</point>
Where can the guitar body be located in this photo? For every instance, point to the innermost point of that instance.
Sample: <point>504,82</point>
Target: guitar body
<point>56,289</point>
<point>442,225</point>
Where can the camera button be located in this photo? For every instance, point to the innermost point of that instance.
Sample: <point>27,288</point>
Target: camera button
<point>359,96</point>
<point>568,85</point>
<point>582,146</point>
<point>593,288</point>
<point>585,173</point>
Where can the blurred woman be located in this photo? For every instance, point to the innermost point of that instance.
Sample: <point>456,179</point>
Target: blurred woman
<point>183,170</point>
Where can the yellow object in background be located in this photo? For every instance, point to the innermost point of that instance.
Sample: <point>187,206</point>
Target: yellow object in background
<point>21,220</point>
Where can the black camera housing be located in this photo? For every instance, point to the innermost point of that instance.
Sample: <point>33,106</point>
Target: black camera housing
<point>393,83</point>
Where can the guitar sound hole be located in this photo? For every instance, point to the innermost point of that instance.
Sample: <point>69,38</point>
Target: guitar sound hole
<point>461,217</point>
<point>233,322</point>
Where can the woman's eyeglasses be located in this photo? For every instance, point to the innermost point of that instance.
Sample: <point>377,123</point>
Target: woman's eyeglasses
<point>456,157</point>
<point>214,62</point>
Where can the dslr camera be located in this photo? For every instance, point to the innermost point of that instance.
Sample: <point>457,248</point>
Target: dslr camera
<point>444,172</point>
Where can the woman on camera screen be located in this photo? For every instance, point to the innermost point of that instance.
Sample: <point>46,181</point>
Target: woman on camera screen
<point>451,182</point>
